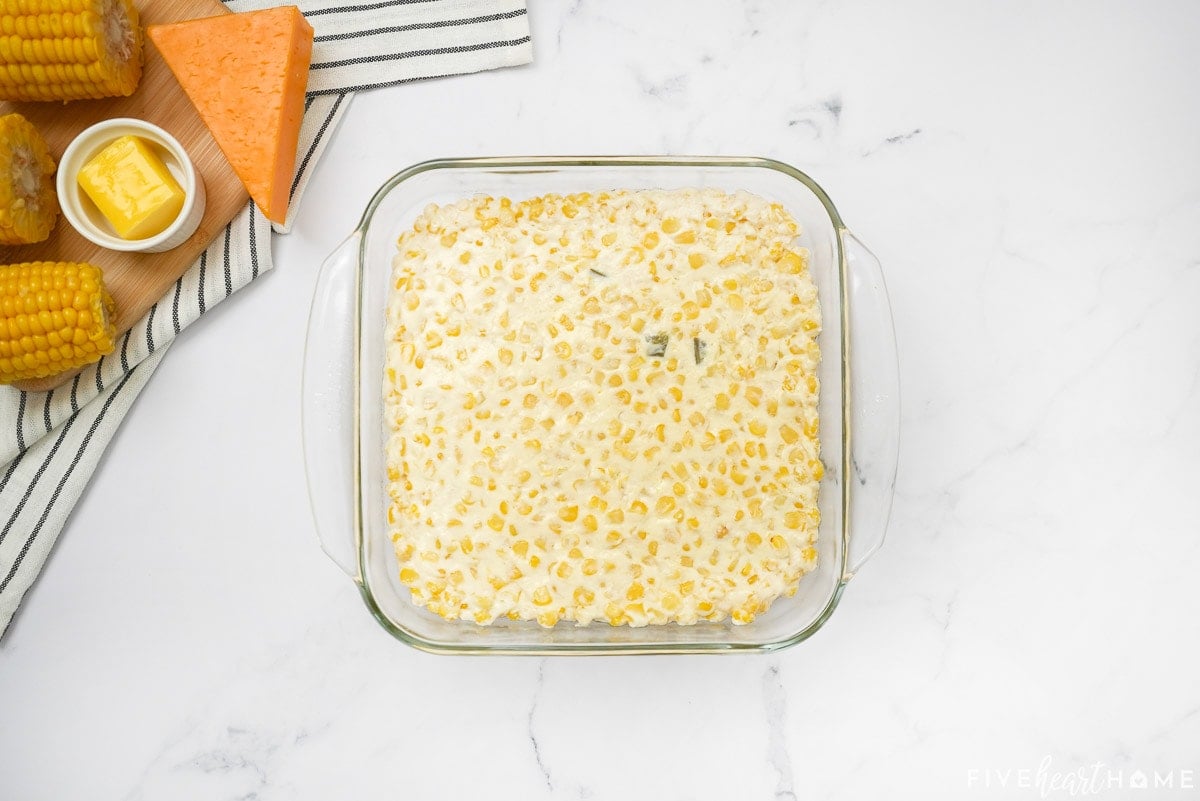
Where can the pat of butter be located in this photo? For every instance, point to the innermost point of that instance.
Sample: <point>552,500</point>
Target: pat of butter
<point>132,188</point>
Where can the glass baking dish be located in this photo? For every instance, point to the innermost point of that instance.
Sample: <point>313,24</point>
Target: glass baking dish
<point>342,405</point>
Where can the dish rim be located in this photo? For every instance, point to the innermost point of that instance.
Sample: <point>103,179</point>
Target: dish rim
<point>523,164</point>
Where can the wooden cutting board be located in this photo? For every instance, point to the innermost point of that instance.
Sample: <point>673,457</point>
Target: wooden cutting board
<point>137,280</point>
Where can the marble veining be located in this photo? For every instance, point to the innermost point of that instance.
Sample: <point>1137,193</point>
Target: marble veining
<point>533,741</point>
<point>775,709</point>
<point>818,120</point>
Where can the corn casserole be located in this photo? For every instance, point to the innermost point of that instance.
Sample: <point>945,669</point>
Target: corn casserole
<point>602,407</point>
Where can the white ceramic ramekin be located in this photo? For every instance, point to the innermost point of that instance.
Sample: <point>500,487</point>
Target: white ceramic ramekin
<point>82,213</point>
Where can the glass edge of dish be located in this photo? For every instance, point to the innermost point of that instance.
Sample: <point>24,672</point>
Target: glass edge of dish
<point>550,163</point>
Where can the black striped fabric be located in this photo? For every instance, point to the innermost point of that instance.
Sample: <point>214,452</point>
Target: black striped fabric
<point>50,443</point>
<point>369,45</point>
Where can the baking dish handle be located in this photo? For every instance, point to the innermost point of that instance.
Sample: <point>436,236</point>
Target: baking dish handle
<point>874,388</point>
<point>327,405</point>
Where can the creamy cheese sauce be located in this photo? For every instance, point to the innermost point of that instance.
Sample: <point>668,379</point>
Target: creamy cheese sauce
<point>603,408</point>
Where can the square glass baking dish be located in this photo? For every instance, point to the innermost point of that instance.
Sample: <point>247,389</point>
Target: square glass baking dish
<point>342,400</point>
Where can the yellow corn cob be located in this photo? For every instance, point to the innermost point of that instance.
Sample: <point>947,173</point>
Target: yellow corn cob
<point>69,49</point>
<point>28,203</point>
<point>54,317</point>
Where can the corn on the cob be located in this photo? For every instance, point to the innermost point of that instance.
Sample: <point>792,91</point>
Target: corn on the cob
<point>28,202</point>
<point>603,407</point>
<point>54,317</point>
<point>69,49</point>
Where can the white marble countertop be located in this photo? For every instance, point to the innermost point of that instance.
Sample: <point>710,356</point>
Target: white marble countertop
<point>1029,175</point>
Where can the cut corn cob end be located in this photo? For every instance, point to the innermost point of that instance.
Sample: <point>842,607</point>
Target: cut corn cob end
<point>54,317</point>
<point>69,49</point>
<point>28,202</point>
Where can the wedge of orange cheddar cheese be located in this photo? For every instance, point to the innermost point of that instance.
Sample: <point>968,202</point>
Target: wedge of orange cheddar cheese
<point>246,74</point>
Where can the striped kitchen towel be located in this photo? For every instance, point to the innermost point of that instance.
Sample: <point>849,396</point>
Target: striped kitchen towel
<point>50,442</point>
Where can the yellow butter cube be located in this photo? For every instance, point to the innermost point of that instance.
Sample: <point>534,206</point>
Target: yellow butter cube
<point>133,188</point>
